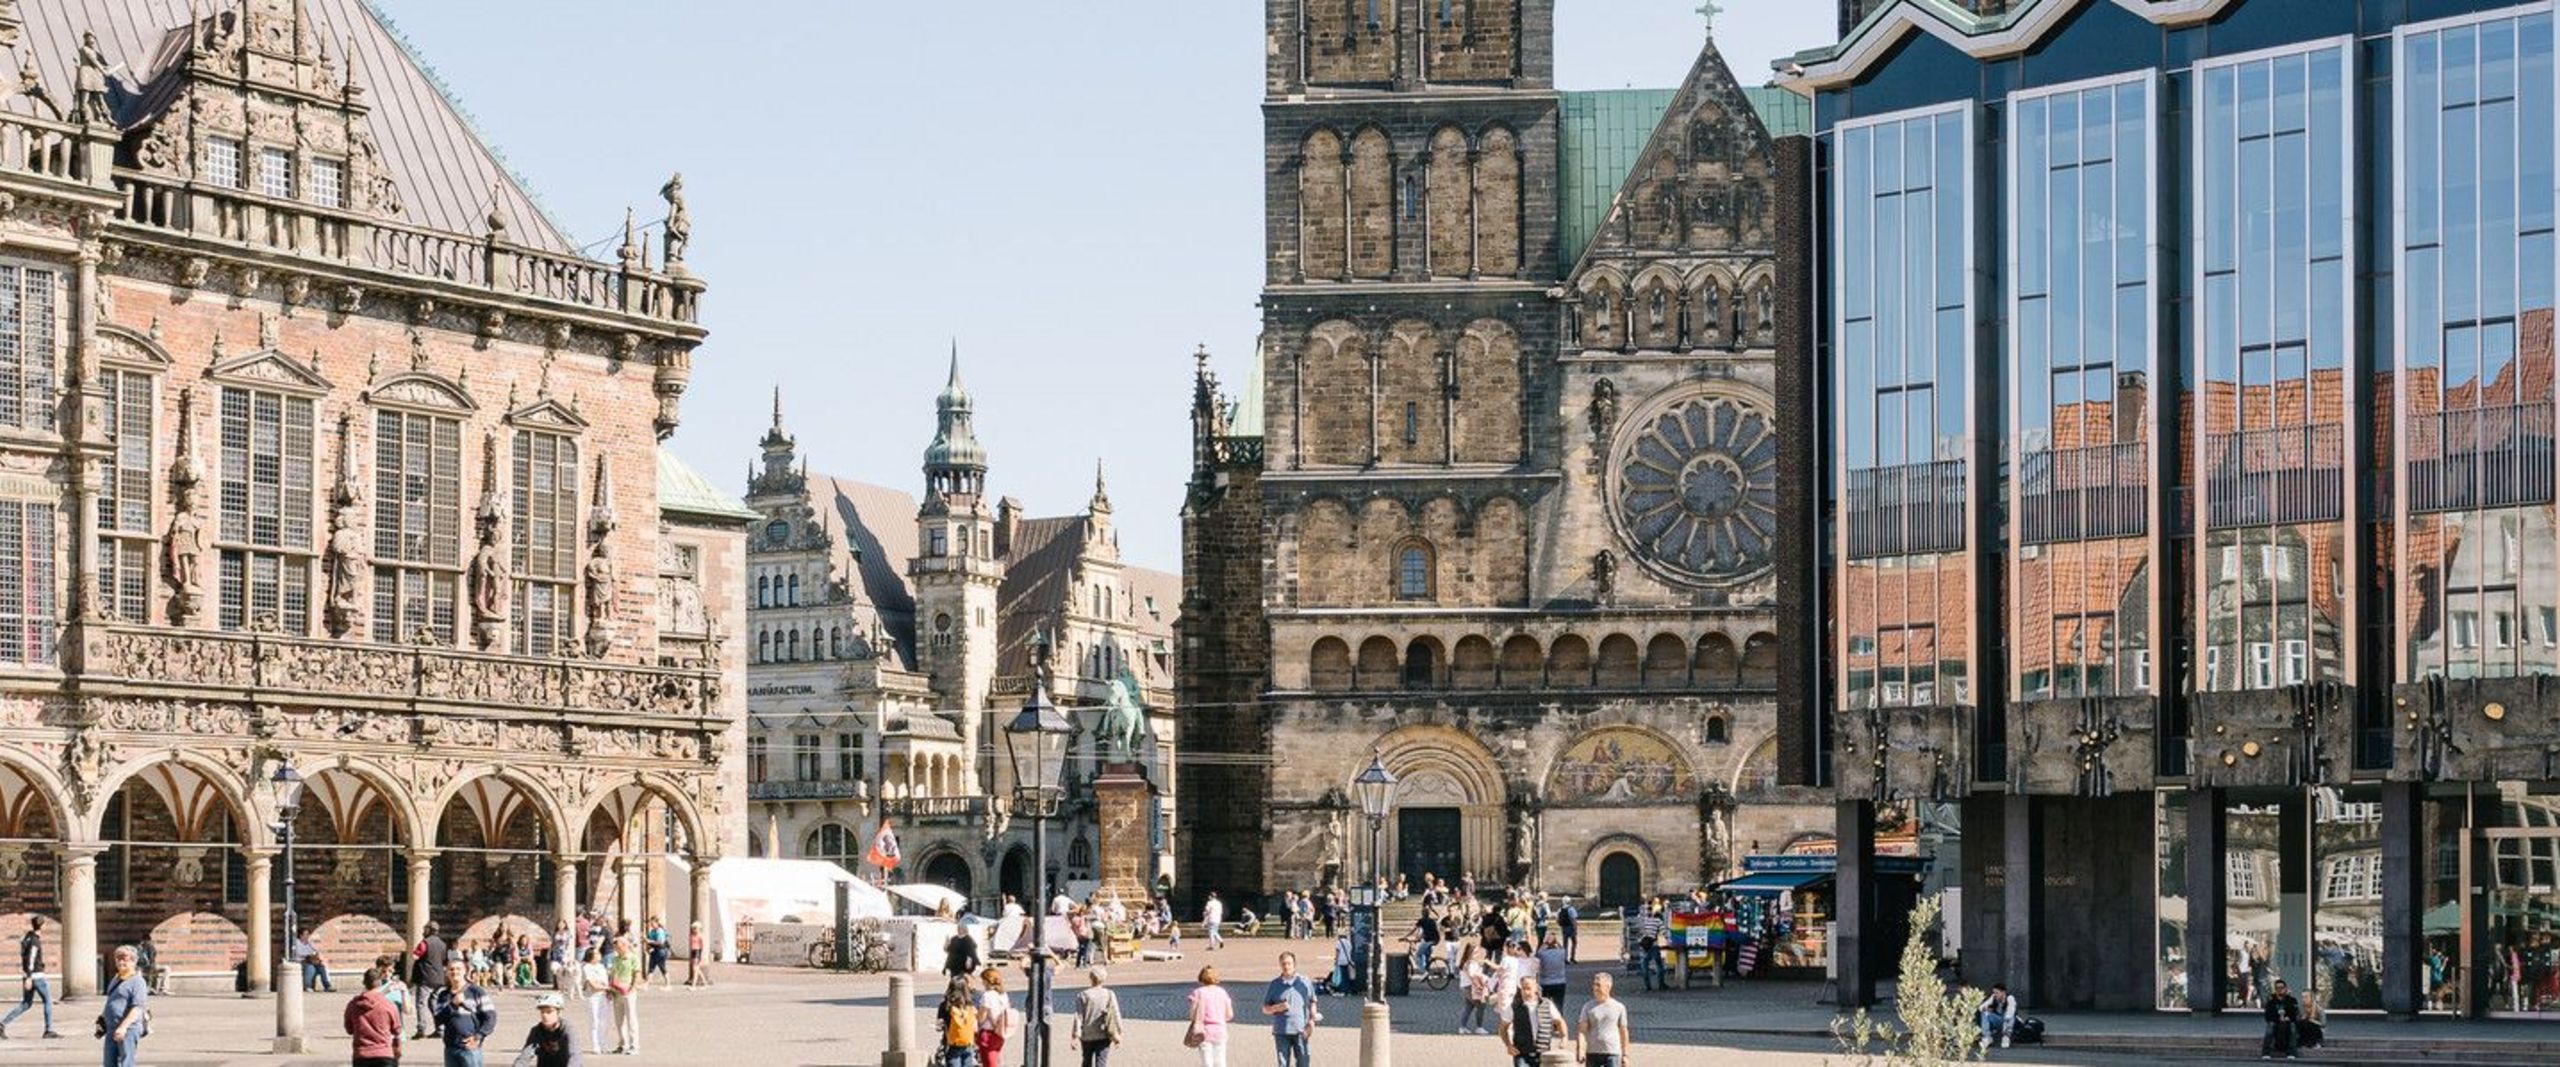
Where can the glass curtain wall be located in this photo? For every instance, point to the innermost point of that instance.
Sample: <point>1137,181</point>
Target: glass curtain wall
<point>2346,923</point>
<point>2080,321</point>
<point>2474,379</point>
<point>2275,404</point>
<point>1903,263</point>
<point>2169,833</point>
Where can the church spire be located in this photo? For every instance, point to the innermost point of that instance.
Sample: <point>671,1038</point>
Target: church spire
<point>955,463</point>
<point>780,457</point>
<point>1101,502</point>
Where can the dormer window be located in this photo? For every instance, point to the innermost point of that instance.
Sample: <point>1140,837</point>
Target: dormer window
<point>329,182</point>
<point>221,162</point>
<point>275,173</point>
<point>937,542</point>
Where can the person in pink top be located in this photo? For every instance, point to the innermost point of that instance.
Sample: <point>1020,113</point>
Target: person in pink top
<point>1211,1008</point>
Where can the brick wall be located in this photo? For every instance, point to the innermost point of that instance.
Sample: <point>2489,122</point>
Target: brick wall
<point>1221,664</point>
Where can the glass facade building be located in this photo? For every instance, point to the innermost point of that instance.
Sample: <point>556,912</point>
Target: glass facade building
<point>2186,447</point>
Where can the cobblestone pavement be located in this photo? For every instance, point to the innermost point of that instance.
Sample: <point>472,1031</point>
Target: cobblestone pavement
<point>769,1017</point>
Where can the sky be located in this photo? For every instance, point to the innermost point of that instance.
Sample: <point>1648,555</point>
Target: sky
<point>1071,193</point>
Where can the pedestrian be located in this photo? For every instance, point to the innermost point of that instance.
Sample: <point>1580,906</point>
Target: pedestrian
<point>1097,1020</point>
<point>697,966</point>
<point>661,948</point>
<point>125,1019</point>
<point>373,1024</point>
<point>1214,916</point>
<point>148,959</point>
<point>995,1018</point>
<point>1211,1010</point>
<point>2282,1012</point>
<point>1476,974</point>
<point>957,1018</point>
<point>1081,925</point>
<point>592,979</point>
<point>960,955</point>
<point>1290,1001</point>
<point>394,990</point>
<point>1569,923</point>
<point>465,1014</point>
<point>1649,946</point>
<point>1998,1014</point>
<point>34,987</point>
<point>1551,972</point>
<point>549,1043</point>
<point>1531,1027</point>
<point>427,975</point>
<point>622,983</point>
<point>1541,915</point>
<point>1603,1039</point>
<point>563,958</point>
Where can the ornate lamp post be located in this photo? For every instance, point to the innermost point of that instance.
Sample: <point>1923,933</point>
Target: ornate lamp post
<point>1376,788</point>
<point>289,1030</point>
<point>1035,745</point>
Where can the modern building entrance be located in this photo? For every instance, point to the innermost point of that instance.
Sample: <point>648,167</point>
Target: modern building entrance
<point>1427,842</point>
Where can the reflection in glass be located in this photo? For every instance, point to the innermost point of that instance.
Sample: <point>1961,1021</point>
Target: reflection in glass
<point>2475,370</point>
<point>2170,831</point>
<point>2522,937</point>
<point>2080,396</point>
<point>1903,260</point>
<point>2346,869</point>
<point>2271,451</point>
<point>2444,830</point>
<point>2258,947</point>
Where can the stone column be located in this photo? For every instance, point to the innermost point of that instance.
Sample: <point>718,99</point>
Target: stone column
<point>631,907</point>
<point>564,889</point>
<point>2205,838</point>
<point>2404,938</point>
<point>80,919</point>
<point>2021,893</point>
<point>1855,908</point>
<point>262,937</point>
<point>421,890</point>
<point>699,910</point>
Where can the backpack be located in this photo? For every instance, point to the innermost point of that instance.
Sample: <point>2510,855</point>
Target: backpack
<point>959,1026</point>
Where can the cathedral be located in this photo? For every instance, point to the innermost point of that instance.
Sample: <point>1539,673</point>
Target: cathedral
<point>341,564</point>
<point>1500,500</point>
<point>890,639</point>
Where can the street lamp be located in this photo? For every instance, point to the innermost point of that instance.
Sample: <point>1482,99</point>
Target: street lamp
<point>1376,788</point>
<point>288,786</point>
<point>1035,746</point>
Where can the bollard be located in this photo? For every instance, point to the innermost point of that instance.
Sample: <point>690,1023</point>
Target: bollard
<point>289,1038</point>
<point>902,1023</point>
<point>1559,1054</point>
<point>1373,1036</point>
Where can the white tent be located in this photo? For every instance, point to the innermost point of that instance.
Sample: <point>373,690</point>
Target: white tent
<point>931,897</point>
<point>745,890</point>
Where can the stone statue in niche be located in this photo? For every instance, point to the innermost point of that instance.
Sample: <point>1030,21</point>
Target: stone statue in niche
<point>1604,575</point>
<point>347,556</point>
<point>602,588</point>
<point>1603,411</point>
<point>1767,303</point>
<point>679,223</point>
<point>492,582</point>
<point>182,551</point>
<point>89,85</point>
<point>1335,856</point>
<point>1711,309</point>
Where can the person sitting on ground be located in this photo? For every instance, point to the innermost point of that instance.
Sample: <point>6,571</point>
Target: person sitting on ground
<point>2282,1011</point>
<point>1998,1015</point>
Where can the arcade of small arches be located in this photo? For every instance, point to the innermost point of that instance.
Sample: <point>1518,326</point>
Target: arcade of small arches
<point>1523,661</point>
<point>182,846</point>
<point>1659,308</point>
<point>1361,198</point>
<point>1442,549</point>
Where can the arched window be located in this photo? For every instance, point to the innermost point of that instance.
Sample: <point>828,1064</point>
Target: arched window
<point>764,647</point>
<point>795,591</point>
<point>1413,571</point>
<point>835,843</point>
<point>795,645</point>
<point>835,642</point>
<point>764,593</point>
<point>1719,730</point>
<point>1422,663</point>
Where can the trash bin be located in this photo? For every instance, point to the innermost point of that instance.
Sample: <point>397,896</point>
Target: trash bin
<point>1399,975</point>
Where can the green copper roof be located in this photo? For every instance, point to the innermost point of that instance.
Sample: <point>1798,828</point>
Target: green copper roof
<point>1599,135</point>
<point>682,489</point>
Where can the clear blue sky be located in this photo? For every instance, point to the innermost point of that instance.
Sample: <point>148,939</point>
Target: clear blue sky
<point>1073,191</point>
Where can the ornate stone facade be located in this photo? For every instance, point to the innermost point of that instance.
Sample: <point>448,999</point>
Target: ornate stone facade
<point>264,380</point>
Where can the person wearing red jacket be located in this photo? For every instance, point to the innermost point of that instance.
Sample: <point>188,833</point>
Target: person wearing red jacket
<point>374,1024</point>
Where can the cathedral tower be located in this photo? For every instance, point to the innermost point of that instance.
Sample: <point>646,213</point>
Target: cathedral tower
<point>956,572</point>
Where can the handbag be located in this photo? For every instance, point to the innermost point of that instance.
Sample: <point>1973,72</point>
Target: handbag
<point>1194,1038</point>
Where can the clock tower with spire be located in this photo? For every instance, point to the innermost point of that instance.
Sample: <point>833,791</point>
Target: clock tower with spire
<point>956,571</point>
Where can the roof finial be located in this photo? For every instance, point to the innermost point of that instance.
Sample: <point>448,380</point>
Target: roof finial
<point>777,406</point>
<point>629,254</point>
<point>1709,10</point>
<point>1101,496</point>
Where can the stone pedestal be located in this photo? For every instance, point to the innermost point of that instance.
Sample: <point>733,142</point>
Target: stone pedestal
<point>1125,860</point>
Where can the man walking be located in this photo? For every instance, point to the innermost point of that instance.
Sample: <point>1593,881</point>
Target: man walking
<point>622,983</point>
<point>1603,1039</point>
<point>464,1014</point>
<point>1649,947</point>
<point>427,976</point>
<point>1290,1001</point>
<point>32,984</point>
<point>125,1019</point>
<point>1569,923</point>
<point>1097,1020</point>
<point>1214,915</point>
<point>1531,1027</point>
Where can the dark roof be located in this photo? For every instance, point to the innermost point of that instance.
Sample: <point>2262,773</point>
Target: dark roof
<point>444,168</point>
<point>1035,585</point>
<point>1600,134</point>
<point>874,528</point>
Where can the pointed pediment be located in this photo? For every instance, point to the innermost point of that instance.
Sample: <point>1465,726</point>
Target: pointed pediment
<point>267,368</point>
<point>1705,182</point>
<point>126,348</point>
<point>421,389</point>
<point>550,414</point>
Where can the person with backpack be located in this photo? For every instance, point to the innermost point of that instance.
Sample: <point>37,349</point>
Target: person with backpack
<point>957,1019</point>
<point>1531,1027</point>
<point>1649,946</point>
<point>1569,924</point>
<point>1097,1020</point>
<point>125,1019</point>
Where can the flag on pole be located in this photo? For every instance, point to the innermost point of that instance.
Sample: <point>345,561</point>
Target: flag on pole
<point>884,848</point>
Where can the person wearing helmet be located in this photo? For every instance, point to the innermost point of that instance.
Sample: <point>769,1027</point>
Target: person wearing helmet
<point>549,1043</point>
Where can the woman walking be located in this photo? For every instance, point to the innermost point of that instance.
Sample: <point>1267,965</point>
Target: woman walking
<point>957,1019</point>
<point>995,1017</point>
<point>1478,976</point>
<point>1211,1008</point>
<point>591,983</point>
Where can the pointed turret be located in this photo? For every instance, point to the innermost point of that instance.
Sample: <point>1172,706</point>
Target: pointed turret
<point>1101,502</point>
<point>780,474</point>
<point>955,464</point>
